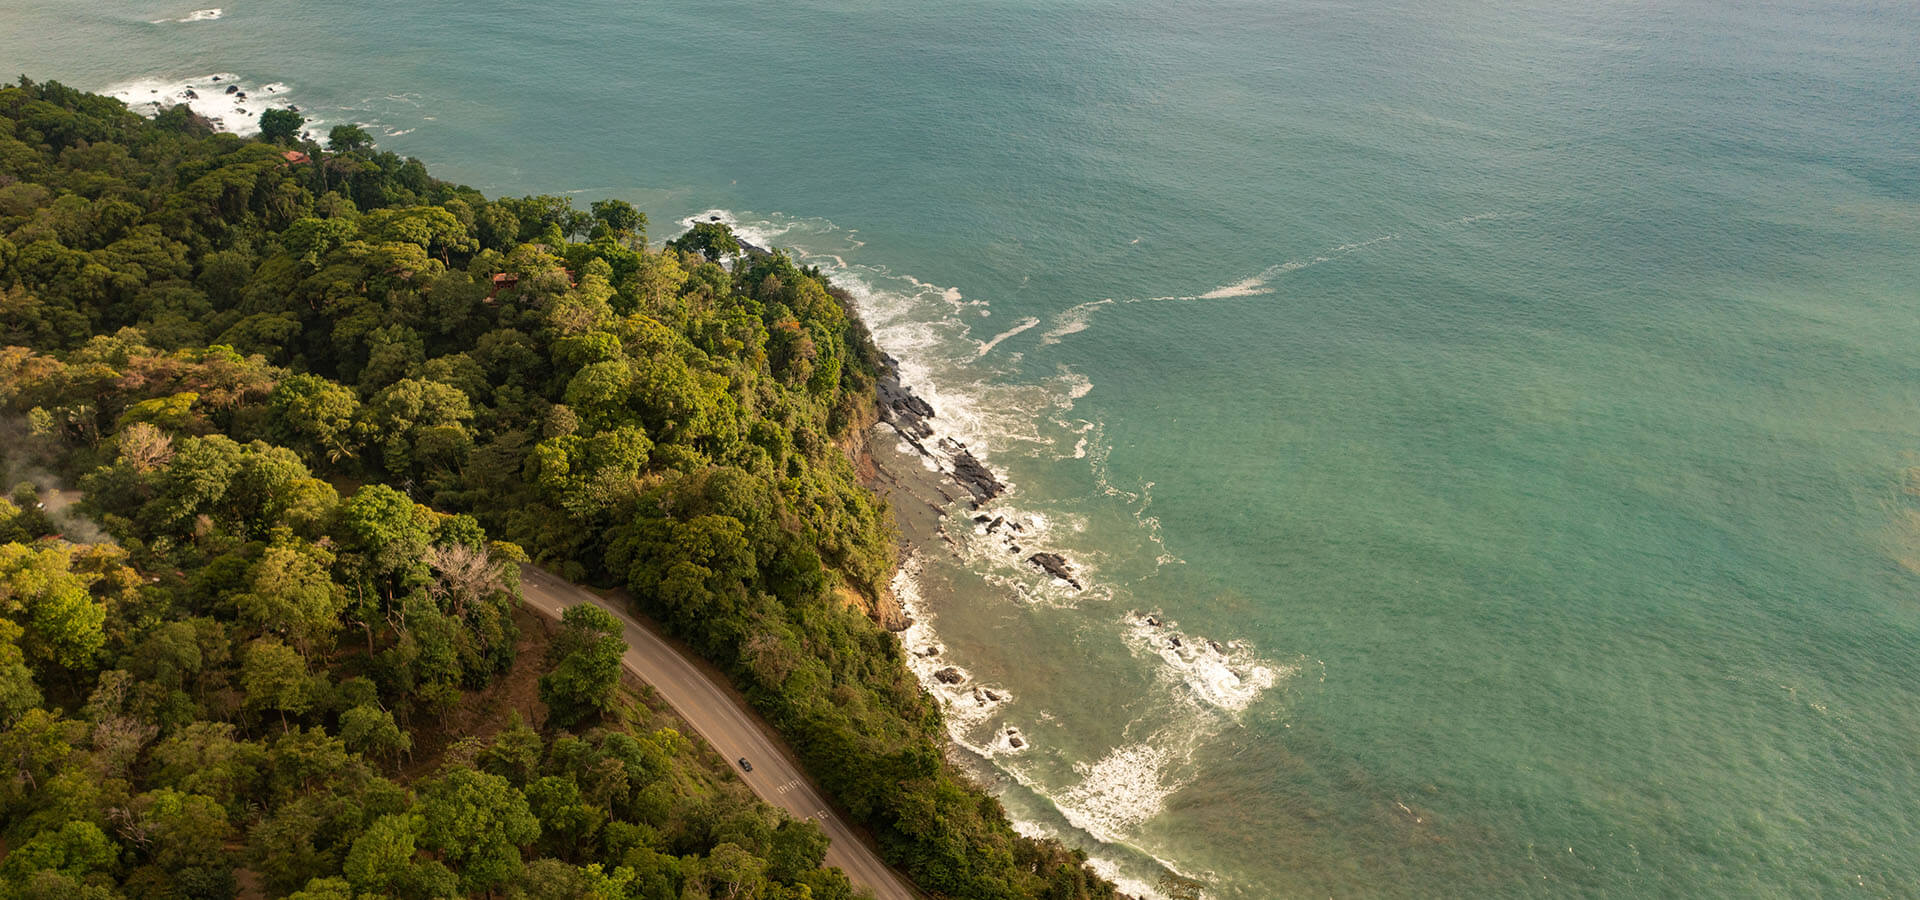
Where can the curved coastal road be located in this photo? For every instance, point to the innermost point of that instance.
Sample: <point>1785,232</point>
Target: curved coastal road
<point>725,722</point>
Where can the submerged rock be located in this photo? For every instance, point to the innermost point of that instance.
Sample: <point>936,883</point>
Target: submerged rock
<point>949,675</point>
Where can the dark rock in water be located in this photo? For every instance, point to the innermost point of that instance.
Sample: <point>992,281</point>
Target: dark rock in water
<point>949,675</point>
<point>979,698</point>
<point>975,476</point>
<point>928,651</point>
<point>1056,565</point>
<point>240,96</point>
<point>900,408</point>
<point>1216,646</point>
<point>190,95</point>
<point>292,108</point>
<point>1013,739</point>
<point>232,88</point>
<point>979,520</point>
<point>1153,622</point>
<point>1175,641</point>
<point>1013,548</point>
<point>909,415</point>
<point>992,696</point>
<point>996,523</point>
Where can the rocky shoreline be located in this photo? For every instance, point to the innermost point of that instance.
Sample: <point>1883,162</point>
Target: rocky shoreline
<point>910,415</point>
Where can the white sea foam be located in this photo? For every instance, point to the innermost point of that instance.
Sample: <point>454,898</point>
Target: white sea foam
<point>237,112</point>
<point>1246,288</point>
<point>198,15</point>
<point>1073,320</point>
<point>1132,887</point>
<point>988,346</point>
<point>1228,677</point>
<point>1121,791</point>
<point>968,703</point>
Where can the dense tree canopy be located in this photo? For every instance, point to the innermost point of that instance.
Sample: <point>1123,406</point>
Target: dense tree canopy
<point>320,412</point>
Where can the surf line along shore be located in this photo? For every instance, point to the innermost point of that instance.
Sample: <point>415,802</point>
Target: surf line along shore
<point>910,417</point>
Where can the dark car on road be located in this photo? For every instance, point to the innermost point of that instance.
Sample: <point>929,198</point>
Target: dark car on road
<point>744,765</point>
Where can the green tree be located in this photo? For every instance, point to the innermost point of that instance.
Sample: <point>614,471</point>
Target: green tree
<point>61,622</point>
<point>182,831</point>
<point>479,822</point>
<point>421,424</point>
<point>280,125</point>
<point>324,889</point>
<point>75,849</point>
<point>618,219</point>
<point>275,677</point>
<point>348,139</point>
<point>18,693</point>
<point>390,532</point>
<point>382,855</point>
<point>713,240</point>
<point>371,730</point>
<point>292,593</point>
<point>585,657</point>
<point>314,415</point>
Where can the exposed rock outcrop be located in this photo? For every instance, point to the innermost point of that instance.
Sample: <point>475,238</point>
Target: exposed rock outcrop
<point>911,416</point>
<point>1056,565</point>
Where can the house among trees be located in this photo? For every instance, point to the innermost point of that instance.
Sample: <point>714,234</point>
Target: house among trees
<point>295,157</point>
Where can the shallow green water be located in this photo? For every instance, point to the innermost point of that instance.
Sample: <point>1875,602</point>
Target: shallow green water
<point>1527,416</point>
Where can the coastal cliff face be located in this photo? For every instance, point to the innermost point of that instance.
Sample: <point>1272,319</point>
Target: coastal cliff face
<point>215,337</point>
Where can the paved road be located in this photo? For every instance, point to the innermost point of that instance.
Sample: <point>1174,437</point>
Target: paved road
<point>734,730</point>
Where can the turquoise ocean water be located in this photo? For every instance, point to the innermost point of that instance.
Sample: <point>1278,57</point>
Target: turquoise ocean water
<point>1520,396</point>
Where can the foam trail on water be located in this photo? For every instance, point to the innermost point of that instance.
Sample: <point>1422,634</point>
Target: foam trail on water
<point>1250,287</point>
<point>198,15</point>
<point>1072,321</point>
<point>1025,324</point>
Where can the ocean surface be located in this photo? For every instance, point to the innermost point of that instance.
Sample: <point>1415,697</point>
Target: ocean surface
<point>1484,432</point>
